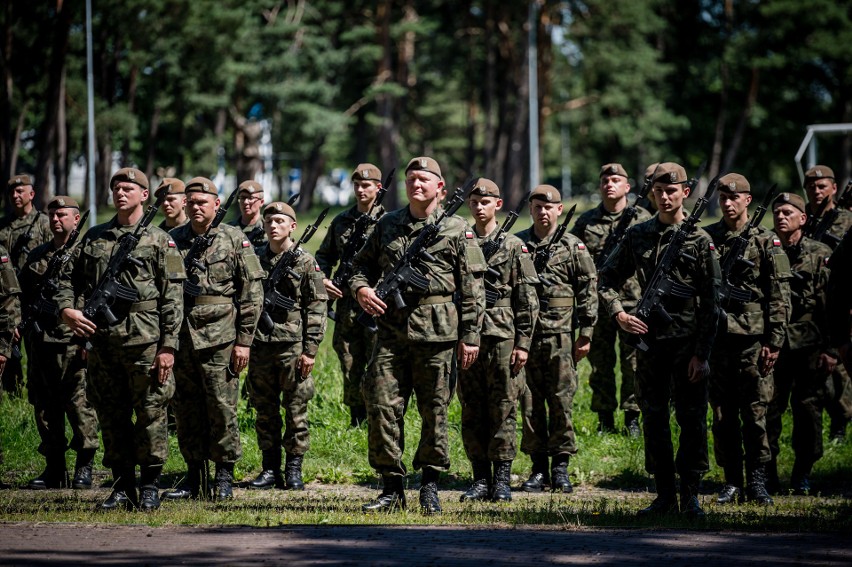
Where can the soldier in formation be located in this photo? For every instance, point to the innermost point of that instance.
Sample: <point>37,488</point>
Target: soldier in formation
<point>10,313</point>
<point>174,205</point>
<point>250,197</point>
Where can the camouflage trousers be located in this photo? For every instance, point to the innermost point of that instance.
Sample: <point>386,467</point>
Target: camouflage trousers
<point>489,397</point>
<point>205,405</point>
<point>56,387</point>
<point>799,384</point>
<point>399,368</point>
<point>120,386</point>
<point>547,403</point>
<point>273,381</point>
<point>602,357</point>
<point>839,407</point>
<point>12,379</point>
<point>662,380</point>
<point>739,398</point>
<point>354,345</point>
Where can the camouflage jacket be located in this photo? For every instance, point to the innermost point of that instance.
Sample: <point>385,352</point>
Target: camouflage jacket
<point>306,322</point>
<point>457,269</point>
<point>53,330</point>
<point>593,228</point>
<point>254,232</point>
<point>233,271</point>
<point>839,298</point>
<point>573,296</point>
<point>164,227</point>
<point>158,280</point>
<point>838,228</point>
<point>638,254</point>
<point>19,236</point>
<point>767,278</point>
<point>10,303</point>
<point>515,314</point>
<point>808,319</point>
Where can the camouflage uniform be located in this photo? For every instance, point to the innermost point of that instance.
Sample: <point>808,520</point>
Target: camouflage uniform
<point>839,298</point>
<point>798,381</point>
<point>352,342</point>
<point>164,227</point>
<point>10,308</point>
<point>223,315</point>
<point>253,232</point>
<point>738,391</point>
<point>416,344</point>
<point>593,228</point>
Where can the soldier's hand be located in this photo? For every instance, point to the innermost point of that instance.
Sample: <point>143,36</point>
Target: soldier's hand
<point>582,346</point>
<point>370,302</point>
<point>518,360</point>
<point>768,356</point>
<point>163,364</point>
<point>826,362</point>
<point>78,323</point>
<point>306,365</point>
<point>332,290</point>
<point>467,355</point>
<point>698,369</point>
<point>239,358</point>
<point>2,363</point>
<point>631,324</point>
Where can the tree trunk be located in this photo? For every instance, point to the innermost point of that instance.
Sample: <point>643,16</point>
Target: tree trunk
<point>151,161</point>
<point>388,135</point>
<point>312,169</point>
<point>60,166</point>
<point>742,124</point>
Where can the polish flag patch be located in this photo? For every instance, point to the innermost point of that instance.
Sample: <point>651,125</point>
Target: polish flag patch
<point>316,268</point>
<point>712,246</point>
<point>246,243</point>
<point>468,234</point>
<point>776,242</point>
<point>172,244</point>
<point>524,248</point>
<point>4,259</point>
<point>581,246</point>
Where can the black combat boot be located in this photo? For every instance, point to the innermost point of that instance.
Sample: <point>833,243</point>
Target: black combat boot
<point>148,477</point>
<point>481,486</point>
<point>83,469</point>
<point>191,485</point>
<point>539,478</point>
<point>559,481</point>
<point>223,488</point>
<point>800,481</point>
<point>429,501</point>
<point>756,490</point>
<point>123,494</point>
<point>606,422</point>
<point>502,490</point>
<point>391,498</point>
<point>54,474</point>
<point>689,504</point>
<point>666,500</point>
<point>357,415</point>
<point>731,493</point>
<point>631,424</point>
<point>293,473</point>
<point>270,476</point>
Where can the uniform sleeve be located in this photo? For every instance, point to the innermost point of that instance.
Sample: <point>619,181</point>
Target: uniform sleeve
<point>249,293</point>
<point>614,273</point>
<point>707,310</point>
<point>585,291</point>
<point>776,273</point>
<point>67,291</point>
<point>314,307</point>
<point>366,264</point>
<point>524,298</point>
<point>171,278</point>
<point>10,304</point>
<point>471,287</point>
<point>328,255</point>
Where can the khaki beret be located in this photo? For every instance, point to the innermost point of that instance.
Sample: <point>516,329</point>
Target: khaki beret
<point>789,199</point>
<point>485,187</point>
<point>129,175</point>
<point>818,172</point>
<point>62,202</point>
<point>20,179</point>
<point>613,169</point>
<point>734,183</point>
<point>670,173</point>
<point>176,186</point>
<point>649,171</point>
<point>424,164</point>
<point>367,172</point>
<point>201,185</point>
<point>546,193</point>
<point>251,186</point>
<point>279,208</point>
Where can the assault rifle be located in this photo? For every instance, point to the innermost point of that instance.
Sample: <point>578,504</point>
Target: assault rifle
<point>408,272</point>
<point>357,239</point>
<point>99,305</point>
<point>818,225</point>
<point>491,246</point>
<point>46,287</point>
<point>274,300</point>
<point>661,284</point>
<point>617,235</point>
<point>543,255</point>
<point>192,261</point>
<point>735,255</point>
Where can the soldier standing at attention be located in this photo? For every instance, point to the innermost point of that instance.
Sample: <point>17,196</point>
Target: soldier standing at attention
<point>56,375</point>
<point>593,228</point>
<point>568,302</point>
<point>174,207</point>
<point>751,334</point>
<point>490,388</point>
<point>352,342</point>
<point>20,233</point>
<point>215,339</point>
<point>281,360</point>
<point>674,370</point>
<point>10,314</point>
<point>806,361</point>
<point>416,343</point>
<point>130,365</point>
<point>250,222</point>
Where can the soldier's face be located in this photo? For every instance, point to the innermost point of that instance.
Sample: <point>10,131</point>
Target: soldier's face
<point>734,205</point>
<point>250,203</point>
<point>63,221</point>
<point>422,186</point>
<point>788,219</point>
<point>22,195</point>
<point>201,208</point>
<point>544,215</point>
<point>128,196</point>
<point>613,186</point>
<point>669,198</point>
<point>174,205</point>
<point>366,191</point>
<point>484,208</point>
<point>819,190</point>
<point>278,227</point>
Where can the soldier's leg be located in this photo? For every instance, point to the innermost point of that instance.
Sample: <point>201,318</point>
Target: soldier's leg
<point>44,381</point>
<point>81,416</point>
<point>839,406</point>
<point>627,391</point>
<point>190,407</point>
<point>782,377</point>
<point>430,376</point>
<point>807,403</point>
<point>298,390</point>
<point>561,385</point>
<point>504,388</point>
<point>534,410</point>
<point>755,393</point>
<point>654,372</point>
<point>150,399</point>
<point>109,391</point>
<point>691,405</point>
<point>264,389</point>
<point>725,404</point>
<point>602,378</point>
<point>221,391</point>
<point>473,397</point>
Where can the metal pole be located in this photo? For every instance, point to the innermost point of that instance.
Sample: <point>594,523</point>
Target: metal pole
<point>532,65</point>
<point>90,92</point>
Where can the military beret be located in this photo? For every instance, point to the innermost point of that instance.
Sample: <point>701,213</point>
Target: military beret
<point>175,186</point>
<point>485,187</point>
<point>734,183</point>
<point>818,172</point>
<point>201,185</point>
<point>367,172</point>
<point>20,179</point>
<point>62,202</point>
<point>670,173</point>
<point>789,199</point>
<point>546,193</point>
<point>613,169</point>
<point>129,175</point>
<point>251,186</point>
<point>649,171</point>
<point>279,208</point>
<point>424,164</point>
